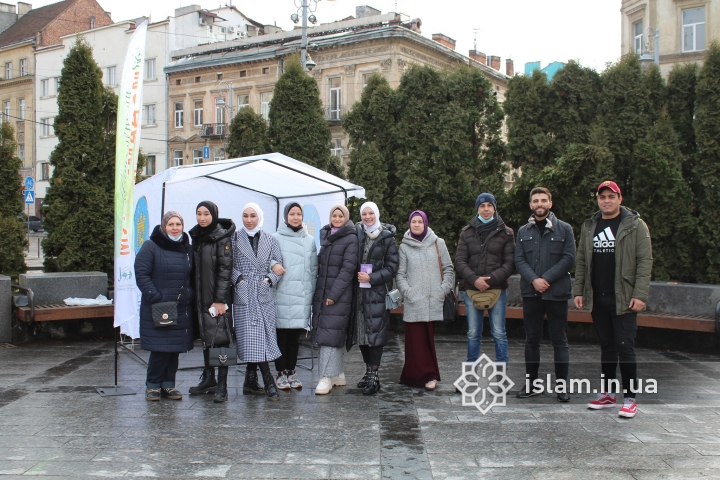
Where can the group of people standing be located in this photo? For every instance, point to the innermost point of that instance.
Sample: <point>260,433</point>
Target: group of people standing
<point>279,286</point>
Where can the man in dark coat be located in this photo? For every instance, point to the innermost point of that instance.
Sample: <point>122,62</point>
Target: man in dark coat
<point>544,256</point>
<point>162,273</point>
<point>485,260</point>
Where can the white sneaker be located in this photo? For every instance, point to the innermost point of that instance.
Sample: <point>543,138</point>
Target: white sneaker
<point>324,386</point>
<point>294,381</point>
<point>282,382</point>
<point>339,380</point>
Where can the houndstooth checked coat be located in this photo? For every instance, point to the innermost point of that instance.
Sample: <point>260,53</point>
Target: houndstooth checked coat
<point>253,299</point>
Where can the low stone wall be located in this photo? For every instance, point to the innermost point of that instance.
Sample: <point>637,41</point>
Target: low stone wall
<point>5,310</point>
<point>53,288</point>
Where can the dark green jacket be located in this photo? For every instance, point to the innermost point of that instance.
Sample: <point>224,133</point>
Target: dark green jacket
<point>633,261</point>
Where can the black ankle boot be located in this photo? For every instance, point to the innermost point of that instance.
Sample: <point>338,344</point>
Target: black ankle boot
<point>221,392</point>
<point>207,378</point>
<point>363,383</point>
<point>269,383</point>
<point>251,385</point>
<point>373,384</point>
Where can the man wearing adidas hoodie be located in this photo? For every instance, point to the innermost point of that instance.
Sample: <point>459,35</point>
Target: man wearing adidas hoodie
<point>612,280</point>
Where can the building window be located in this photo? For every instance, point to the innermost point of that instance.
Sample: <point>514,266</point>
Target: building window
<point>243,101</point>
<point>149,114</point>
<point>21,151</point>
<point>21,109</point>
<point>177,158</point>
<point>335,98</point>
<point>6,111</point>
<point>178,114</point>
<point>197,79</point>
<point>220,119</point>
<point>638,36</point>
<point>265,70</point>
<point>219,154</point>
<point>44,88</point>
<point>150,69</point>
<point>219,76</point>
<point>198,113</point>
<point>46,128</point>
<point>337,147</point>
<point>150,165</point>
<point>57,84</point>
<point>265,99</point>
<point>243,73</point>
<point>110,76</point>
<point>23,67</point>
<point>693,29</point>
<point>197,155</point>
<point>45,171</point>
<point>8,70</point>
<point>178,81</point>
<point>92,22</point>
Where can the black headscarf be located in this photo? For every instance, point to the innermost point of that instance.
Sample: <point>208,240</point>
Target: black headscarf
<point>213,209</point>
<point>289,207</point>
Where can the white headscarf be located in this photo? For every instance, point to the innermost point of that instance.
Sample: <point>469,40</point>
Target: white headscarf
<point>375,209</point>
<point>260,215</point>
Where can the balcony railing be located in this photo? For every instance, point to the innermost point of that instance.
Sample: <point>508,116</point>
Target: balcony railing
<point>211,130</point>
<point>334,113</point>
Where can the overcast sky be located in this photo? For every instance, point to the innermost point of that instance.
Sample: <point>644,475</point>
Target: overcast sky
<point>524,30</point>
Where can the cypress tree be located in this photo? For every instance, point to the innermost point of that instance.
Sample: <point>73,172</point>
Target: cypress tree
<point>706,170</point>
<point>248,135</point>
<point>371,128</point>
<point>297,122</point>
<point>681,86</point>
<point>659,190</point>
<point>12,233</point>
<point>79,202</point>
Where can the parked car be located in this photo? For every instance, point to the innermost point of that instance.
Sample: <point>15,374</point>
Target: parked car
<point>32,223</point>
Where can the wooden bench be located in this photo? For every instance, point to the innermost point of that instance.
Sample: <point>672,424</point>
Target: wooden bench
<point>45,313</point>
<point>645,319</point>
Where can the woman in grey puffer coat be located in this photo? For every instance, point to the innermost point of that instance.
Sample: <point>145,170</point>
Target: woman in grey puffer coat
<point>425,276</point>
<point>293,292</point>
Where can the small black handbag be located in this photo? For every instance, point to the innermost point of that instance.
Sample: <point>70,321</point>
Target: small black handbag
<point>450,304</point>
<point>222,356</point>
<point>165,314</point>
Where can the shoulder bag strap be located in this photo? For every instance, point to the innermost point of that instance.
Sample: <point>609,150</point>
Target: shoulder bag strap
<point>442,277</point>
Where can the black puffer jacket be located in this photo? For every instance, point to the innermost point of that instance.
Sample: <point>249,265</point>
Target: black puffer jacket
<point>494,258</point>
<point>162,273</point>
<point>385,259</point>
<point>213,266</point>
<point>337,272</point>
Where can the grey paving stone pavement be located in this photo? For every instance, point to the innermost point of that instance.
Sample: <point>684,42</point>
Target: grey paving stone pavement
<point>53,423</point>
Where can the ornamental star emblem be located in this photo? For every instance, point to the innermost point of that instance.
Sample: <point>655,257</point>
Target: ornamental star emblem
<point>484,384</point>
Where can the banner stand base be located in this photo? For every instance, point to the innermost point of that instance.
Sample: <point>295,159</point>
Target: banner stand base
<point>115,391</point>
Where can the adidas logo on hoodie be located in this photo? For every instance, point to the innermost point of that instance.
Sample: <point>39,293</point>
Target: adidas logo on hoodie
<point>604,242</point>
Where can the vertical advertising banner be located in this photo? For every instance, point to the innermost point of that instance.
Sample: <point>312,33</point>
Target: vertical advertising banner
<point>127,145</point>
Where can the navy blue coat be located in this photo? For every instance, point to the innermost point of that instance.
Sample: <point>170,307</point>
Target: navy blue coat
<point>162,272</point>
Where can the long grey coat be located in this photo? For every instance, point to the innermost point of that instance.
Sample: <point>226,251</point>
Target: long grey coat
<point>294,291</point>
<point>253,301</point>
<point>418,277</point>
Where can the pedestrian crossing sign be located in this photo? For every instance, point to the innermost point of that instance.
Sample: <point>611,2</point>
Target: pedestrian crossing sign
<point>29,197</point>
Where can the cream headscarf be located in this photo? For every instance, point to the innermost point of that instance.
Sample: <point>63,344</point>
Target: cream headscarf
<point>375,209</point>
<point>260,215</point>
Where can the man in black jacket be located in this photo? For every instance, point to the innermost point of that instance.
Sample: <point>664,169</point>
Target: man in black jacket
<point>544,255</point>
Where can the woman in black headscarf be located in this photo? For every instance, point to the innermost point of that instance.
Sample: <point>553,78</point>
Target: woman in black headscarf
<point>212,244</point>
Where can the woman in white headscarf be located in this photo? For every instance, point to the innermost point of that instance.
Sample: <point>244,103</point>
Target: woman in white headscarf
<point>253,302</point>
<point>379,254</point>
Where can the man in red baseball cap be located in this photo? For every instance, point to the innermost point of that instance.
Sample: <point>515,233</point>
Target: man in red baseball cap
<point>612,280</point>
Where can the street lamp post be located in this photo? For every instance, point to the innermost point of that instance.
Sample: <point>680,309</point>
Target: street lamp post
<point>229,106</point>
<point>645,57</point>
<point>305,6</point>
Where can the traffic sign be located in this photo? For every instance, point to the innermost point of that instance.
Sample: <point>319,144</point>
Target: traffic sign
<point>29,197</point>
<point>29,183</point>
<point>206,152</point>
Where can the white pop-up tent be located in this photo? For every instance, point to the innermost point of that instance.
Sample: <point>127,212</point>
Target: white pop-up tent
<point>272,181</point>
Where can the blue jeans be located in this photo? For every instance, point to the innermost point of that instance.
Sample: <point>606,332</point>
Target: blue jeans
<point>497,328</point>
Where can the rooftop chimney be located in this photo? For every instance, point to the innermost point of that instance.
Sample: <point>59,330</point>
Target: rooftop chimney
<point>478,56</point>
<point>509,67</point>
<point>365,11</point>
<point>444,40</point>
<point>23,8</point>
<point>494,62</point>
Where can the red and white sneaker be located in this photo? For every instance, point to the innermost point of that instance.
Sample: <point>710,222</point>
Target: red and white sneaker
<point>629,408</point>
<point>603,400</point>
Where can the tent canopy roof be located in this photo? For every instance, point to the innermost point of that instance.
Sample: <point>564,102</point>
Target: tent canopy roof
<point>272,174</point>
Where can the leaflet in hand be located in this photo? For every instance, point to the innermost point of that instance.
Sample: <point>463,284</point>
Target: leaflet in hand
<point>365,268</point>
